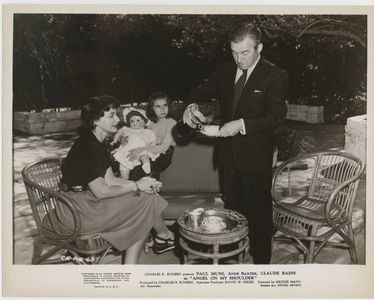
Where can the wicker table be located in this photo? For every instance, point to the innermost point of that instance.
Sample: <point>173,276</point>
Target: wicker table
<point>227,243</point>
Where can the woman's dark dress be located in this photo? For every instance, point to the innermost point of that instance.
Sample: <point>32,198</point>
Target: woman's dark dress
<point>121,220</point>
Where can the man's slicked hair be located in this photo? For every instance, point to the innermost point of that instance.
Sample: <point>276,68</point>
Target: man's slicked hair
<point>242,30</point>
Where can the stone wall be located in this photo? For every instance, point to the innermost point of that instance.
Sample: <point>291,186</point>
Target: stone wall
<point>51,121</point>
<point>46,122</point>
<point>355,137</point>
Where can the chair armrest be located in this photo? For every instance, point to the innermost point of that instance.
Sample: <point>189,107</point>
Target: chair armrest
<point>72,208</point>
<point>336,190</point>
<point>285,168</point>
<point>277,172</point>
<point>46,193</point>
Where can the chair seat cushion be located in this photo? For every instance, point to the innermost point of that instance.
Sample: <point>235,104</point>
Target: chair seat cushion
<point>310,208</point>
<point>306,210</point>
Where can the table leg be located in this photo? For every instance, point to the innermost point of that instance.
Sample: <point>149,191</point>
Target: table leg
<point>241,255</point>
<point>215,253</point>
<point>185,252</point>
<point>185,259</point>
<point>246,251</point>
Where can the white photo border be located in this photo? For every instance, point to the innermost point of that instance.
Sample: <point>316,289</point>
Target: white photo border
<point>322,281</point>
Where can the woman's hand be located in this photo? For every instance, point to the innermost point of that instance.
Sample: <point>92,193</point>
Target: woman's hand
<point>149,185</point>
<point>134,153</point>
<point>124,140</point>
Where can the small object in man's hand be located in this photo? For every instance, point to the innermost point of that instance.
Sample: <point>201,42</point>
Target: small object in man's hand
<point>209,130</point>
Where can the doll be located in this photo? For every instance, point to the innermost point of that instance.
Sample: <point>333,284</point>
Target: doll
<point>134,135</point>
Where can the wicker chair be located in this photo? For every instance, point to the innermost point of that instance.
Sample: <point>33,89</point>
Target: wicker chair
<point>42,180</point>
<point>313,198</point>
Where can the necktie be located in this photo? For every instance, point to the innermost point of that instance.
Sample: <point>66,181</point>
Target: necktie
<point>238,89</point>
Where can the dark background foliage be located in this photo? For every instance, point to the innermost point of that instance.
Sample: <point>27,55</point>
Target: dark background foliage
<point>60,60</point>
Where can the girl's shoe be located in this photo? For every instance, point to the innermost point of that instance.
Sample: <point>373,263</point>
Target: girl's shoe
<point>161,245</point>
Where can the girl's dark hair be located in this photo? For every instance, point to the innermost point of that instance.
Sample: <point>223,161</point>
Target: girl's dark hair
<point>94,110</point>
<point>134,113</point>
<point>151,101</point>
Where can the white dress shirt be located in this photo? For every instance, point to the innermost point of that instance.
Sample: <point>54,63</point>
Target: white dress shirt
<point>239,73</point>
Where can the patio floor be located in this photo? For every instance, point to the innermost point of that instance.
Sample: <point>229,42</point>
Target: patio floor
<point>28,148</point>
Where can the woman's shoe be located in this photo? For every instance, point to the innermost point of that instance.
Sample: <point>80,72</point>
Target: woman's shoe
<point>161,245</point>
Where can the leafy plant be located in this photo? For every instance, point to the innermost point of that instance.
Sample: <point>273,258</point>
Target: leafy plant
<point>61,59</point>
<point>291,143</point>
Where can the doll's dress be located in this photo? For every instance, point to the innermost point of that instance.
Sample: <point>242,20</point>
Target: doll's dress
<point>136,138</point>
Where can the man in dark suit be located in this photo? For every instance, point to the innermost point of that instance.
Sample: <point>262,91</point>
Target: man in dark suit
<point>251,93</point>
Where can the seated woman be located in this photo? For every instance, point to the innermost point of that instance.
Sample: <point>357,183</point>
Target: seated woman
<point>158,111</point>
<point>121,211</point>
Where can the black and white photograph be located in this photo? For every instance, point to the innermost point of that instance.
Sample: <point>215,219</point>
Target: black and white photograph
<point>165,150</point>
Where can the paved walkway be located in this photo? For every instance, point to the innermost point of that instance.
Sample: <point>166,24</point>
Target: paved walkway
<point>31,148</point>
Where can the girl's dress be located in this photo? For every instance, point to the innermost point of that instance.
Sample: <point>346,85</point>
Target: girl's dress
<point>121,220</point>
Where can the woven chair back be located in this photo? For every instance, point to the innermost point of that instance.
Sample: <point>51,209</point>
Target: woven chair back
<point>332,170</point>
<point>41,181</point>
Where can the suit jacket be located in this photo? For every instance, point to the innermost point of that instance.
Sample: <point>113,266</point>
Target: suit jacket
<point>262,107</point>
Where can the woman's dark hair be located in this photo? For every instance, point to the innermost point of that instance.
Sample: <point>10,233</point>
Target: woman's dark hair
<point>242,30</point>
<point>94,110</point>
<point>151,101</point>
<point>134,113</point>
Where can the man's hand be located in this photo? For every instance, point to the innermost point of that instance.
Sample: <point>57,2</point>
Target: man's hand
<point>134,153</point>
<point>193,116</point>
<point>230,129</point>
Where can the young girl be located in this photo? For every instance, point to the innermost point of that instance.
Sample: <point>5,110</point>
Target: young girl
<point>134,135</point>
<point>159,110</point>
